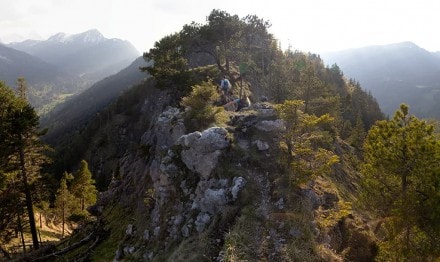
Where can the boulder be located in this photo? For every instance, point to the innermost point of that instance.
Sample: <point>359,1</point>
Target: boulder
<point>202,149</point>
<point>169,127</point>
<point>261,145</point>
<point>213,200</point>
<point>201,221</point>
<point>271,125</point>
<point>129,230</point>
<point>185,231</point>
<point>238,184</point>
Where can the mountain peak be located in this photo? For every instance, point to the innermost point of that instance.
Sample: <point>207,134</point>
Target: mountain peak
<point>59,37</point>
<point>90,36</point>
<point>406,44</point>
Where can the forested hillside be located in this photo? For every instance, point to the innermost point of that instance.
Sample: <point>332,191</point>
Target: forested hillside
<point>396,73</point>
<point>309,170</point>
<point>70,117</point>
<point>45,81</point>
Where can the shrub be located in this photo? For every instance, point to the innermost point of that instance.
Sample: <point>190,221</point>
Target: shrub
<point>200,112</point>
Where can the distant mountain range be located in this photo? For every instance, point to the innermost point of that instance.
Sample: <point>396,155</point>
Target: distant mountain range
<point>46,82</point>
<point>396,73</point>
<point>63,64</point>
<point>88,53</point>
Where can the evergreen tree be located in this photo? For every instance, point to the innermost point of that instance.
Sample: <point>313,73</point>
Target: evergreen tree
<point>401,185</point>
<point>83,186</point>
<point>282,79</point>
<point>170,66</point>
<point>200,111</point>
<point>21,153</point>
<point>22,88</point>
<point>358,134</point>
<point>306,138</point>
<point>10,207</point>
<point>64,200</point>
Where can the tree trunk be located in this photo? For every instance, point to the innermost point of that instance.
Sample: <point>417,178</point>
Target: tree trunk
<point>20,228</point>
<point>5,253</point>
<point>29,204</point>
<point>63,217</point>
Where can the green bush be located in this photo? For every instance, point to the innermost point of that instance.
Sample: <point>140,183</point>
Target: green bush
<point>200,111</point>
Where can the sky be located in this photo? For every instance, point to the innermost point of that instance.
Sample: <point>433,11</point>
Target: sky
<point>307,25</point>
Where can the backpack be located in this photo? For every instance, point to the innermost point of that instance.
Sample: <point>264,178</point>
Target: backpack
<point>225,84</point>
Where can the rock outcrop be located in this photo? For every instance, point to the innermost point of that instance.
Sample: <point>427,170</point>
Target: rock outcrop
<point>201,150</point>
<point>193,194</point>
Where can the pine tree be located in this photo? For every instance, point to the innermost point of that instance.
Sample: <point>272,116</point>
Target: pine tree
<point>83,186</point>
<point>22,88</point>
<point>64,200</point>
<point>358,133</point>
<point>21,153</point>
<point>305,138</point>
<point>200,111</point>
<point>401,185</point>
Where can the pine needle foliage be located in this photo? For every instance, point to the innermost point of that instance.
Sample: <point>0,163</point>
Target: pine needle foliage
<point>83,186</point>
<point>200,111</point>
<point>401,185</point>
<point>305,138</point>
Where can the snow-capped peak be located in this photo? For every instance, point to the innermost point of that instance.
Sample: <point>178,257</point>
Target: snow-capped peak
<point>60,37</point>
<point>90,36</point>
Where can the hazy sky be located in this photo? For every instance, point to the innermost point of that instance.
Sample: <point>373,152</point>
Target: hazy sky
<point>307,25</point>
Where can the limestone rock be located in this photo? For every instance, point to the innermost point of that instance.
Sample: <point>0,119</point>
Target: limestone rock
<point>129,250</point>
<point>214,194</point>
<point>129,230</point>
<point>212,200</point>
<point>265,110</point>
<point>202,149</point>
<point>169,127</point>
<point>261,145</point>
<point>280,203</point>
<point>185,231</point>
<point>146,235</point>
<point>238,184</point>
<point>156,231</point>
<point>201,221</point>
<point>270,126</point>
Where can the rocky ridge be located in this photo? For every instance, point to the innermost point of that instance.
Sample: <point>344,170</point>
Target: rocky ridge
<point>191,192</point>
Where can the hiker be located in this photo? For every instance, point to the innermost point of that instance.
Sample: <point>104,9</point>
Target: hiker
<point>237,104</point>
<point>243,102</point>
<point>225,85</point>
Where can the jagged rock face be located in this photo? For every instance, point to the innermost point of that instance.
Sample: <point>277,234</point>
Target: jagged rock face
<point>211,196</point>
<point>271,126</point>
<point>179,172</point>
<point>193,199</point>
<point>202,149</point>
<point>169,128</point>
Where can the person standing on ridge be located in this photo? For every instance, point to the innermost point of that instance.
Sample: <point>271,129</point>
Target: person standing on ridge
<point>225,85</point>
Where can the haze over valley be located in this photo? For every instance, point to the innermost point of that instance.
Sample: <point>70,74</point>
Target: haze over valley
<point>63,65</point>
<point>395,73</point>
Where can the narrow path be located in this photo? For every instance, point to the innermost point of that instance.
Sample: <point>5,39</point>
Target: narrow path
<point>263,185</point>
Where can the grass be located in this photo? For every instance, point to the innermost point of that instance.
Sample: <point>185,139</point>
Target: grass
<point>117,219</point>
<point>243,242</point>
<point>51,233</point>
